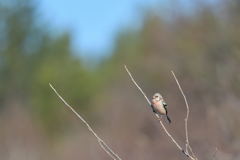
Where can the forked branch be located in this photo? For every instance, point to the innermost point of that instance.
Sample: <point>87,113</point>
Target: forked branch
<point>187,144</point>
<point>185,152</point>
<point>103,145</point>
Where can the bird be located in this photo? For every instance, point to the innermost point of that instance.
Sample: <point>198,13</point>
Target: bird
<point>159,106</point>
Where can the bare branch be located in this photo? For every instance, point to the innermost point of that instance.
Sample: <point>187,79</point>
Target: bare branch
<point>186,118</point>
<point>103,145</point>
<point>215,154</point>
<point>164,128</point>
<point>140,89</point>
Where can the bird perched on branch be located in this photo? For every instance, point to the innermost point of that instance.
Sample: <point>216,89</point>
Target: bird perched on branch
<point>159,106</point>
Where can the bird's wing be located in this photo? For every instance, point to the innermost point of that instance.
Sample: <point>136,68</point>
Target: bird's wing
<point>164,104</point>
<point>165,107</point>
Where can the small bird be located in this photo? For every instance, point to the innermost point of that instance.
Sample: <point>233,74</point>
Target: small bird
<point>159,106</point>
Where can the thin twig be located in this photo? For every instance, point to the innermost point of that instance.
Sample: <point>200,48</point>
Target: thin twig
<point>164,128</point>
<point>174,141</point>
<point>186,118</point>
<point>103,145</point>
<point>140,89</point>
<point>215,154</point>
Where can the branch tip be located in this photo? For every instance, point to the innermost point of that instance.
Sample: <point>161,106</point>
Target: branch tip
<point>102,144</point>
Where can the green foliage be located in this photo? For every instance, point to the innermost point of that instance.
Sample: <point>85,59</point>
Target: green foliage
<point>30,59</point>
<point>203,46</point>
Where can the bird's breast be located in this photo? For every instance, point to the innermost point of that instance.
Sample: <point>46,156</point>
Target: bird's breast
<point>158,106</point>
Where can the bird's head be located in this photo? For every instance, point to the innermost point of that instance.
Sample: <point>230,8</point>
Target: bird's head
<point>157,96</point>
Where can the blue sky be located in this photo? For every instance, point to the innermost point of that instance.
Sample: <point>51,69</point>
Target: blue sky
<point>93,23</point>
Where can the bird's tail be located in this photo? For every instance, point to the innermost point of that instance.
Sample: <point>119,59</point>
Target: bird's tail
<point>168,118</point>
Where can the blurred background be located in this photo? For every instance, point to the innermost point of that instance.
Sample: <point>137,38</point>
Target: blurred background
<point>81,48</point>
